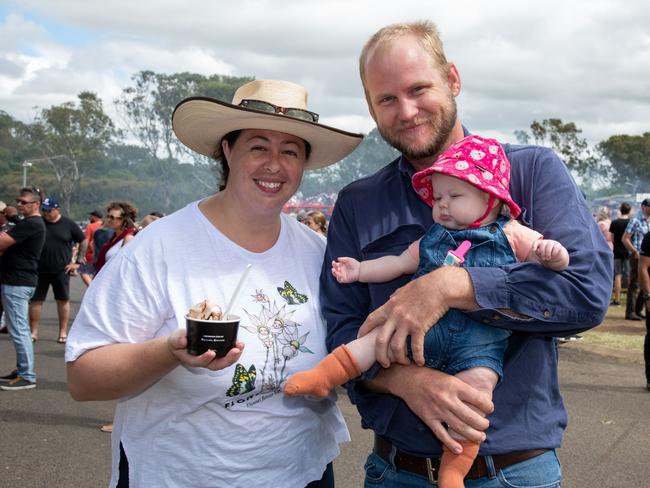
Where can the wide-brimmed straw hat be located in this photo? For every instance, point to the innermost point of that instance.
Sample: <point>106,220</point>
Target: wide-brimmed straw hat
<point>200,122</point>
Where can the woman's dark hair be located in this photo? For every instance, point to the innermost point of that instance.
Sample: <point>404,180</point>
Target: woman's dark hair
<point>128,211</point>
<point>219,156</point>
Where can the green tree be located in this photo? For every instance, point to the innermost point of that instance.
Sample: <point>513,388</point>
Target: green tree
<point>372,154</point>
<point>630,161</point>
<point>71,137</point>
<point>15,148</point>
<point>147,108</point>
<point>566,140</point>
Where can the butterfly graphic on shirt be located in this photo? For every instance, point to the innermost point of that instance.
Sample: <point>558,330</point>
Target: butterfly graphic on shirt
<point>243,380</point>
<point>291,295</point>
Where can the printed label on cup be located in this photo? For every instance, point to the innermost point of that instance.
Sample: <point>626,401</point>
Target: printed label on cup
<point>217,335</point>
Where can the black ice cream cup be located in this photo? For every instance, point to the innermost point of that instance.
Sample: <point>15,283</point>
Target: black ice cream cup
<point>219,336</point>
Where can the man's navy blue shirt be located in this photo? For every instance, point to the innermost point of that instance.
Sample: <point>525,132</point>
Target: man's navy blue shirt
<point>381,215</point>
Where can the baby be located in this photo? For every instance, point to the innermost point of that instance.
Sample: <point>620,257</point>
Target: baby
<point>467,188</point>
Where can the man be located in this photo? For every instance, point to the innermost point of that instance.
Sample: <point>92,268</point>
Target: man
<point>21,248</point>
<point>638,226</point>
<point>644,278</point>
<point>87,270</point>
<point>4,225</point>
<point>55,266</point>
<point>410,89</point>
<point>621,254</point>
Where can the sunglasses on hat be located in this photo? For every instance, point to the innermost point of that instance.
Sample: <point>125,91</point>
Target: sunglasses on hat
<point>296,113</point>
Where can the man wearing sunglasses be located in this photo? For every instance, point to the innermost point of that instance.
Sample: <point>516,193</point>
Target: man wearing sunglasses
<point>21,248</point>
<point>55,266</point>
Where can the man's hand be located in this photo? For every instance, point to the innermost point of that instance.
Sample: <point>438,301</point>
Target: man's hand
<point>177,343</point>
<point>346,270</point>
<point>413,309</point>
<point>436,397</point>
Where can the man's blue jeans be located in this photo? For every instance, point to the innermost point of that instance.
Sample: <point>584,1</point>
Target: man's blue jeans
<point>538,472</point>
<point>15,300</point>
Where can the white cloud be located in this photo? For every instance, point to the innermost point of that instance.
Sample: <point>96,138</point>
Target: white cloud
<point>579,60</point>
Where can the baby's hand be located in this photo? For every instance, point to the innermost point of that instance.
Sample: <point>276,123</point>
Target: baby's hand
<point>346,270</point>
<point>547,250</point>
<point>551,254</point>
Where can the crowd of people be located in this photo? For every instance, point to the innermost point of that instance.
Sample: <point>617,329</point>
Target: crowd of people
<point>41,248</point>
<point>456,297</point>
<point>629,235</point>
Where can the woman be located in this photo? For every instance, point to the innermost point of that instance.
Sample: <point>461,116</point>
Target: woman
<point>317,222</point>
<point>120,217</point>
<point>120,220</point>
<point>185,420</point>
<point>603,219</point>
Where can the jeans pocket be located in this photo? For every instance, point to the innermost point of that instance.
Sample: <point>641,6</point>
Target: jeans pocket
<point>376,469</point>
<point>539,472</point>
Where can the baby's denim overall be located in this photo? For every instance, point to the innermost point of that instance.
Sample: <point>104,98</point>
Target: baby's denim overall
<point>456,342</point>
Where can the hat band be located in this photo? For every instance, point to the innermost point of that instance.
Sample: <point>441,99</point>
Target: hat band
<point>488,209</point>
<point>295,113</point>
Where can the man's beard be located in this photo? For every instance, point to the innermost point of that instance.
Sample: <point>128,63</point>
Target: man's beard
<point>442,129</point>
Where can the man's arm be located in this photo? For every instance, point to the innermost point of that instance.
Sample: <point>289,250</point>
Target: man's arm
<point>81,250</point>
<point>437,399</point>
<point>627,242</point>
<point>644,263</point>
<point>345,307</point>
<point>644,277</point>
<point>522,296</point>
<point>406,313</point>
<point>78,253</point>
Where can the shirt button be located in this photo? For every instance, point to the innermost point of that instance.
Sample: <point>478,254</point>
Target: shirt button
<point>496,317</point>
<point>547,314</point>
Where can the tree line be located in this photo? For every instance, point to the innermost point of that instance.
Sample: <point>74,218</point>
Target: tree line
<point>80,155</point>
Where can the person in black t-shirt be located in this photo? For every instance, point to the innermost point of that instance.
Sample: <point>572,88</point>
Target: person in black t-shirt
<point>621,254</point>
<point>21,248</point>
<point>644,280</point>
<point>55,266</point>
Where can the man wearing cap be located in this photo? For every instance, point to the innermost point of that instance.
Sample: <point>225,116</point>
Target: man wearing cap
<point>638,226</point>
<point>411,92</point>
<point>20,247</point>
<point>87,270</point>
<point>55,265</point>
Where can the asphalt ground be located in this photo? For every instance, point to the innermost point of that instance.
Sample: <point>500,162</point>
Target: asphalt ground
<point>49,440</point>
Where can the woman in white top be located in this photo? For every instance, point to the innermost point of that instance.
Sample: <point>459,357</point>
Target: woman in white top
<point>185,420</point>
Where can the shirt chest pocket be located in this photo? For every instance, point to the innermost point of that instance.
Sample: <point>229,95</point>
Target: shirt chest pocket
<point>390,244</point>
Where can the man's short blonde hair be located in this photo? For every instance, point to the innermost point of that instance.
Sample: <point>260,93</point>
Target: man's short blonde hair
<point>424,31</point>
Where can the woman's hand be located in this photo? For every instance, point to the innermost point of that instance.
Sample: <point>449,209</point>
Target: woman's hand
<point>177,344</point>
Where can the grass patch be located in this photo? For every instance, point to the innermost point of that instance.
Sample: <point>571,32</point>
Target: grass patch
<point>618,341</point>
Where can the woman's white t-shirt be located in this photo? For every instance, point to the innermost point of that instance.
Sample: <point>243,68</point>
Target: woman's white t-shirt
<point>233,427</point>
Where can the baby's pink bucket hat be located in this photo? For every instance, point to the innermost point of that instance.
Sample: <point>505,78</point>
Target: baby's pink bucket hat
<point>477,160</point>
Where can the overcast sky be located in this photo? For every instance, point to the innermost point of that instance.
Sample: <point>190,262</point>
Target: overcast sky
<point>582,61</point>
